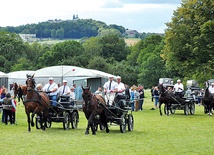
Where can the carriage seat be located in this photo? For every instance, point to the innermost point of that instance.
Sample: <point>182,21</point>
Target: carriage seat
<point>120,101</point>
<point>64,98</point>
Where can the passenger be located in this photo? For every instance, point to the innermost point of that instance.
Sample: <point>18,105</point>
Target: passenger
<point>120,95</point>
<point>39,87</point>
<point>110,88</point>
<point>99,91</point>
<point>211,88</point>
<point>52,89</point>
<point>178,88</point>
<point>120,87</point>
<point>8,104</point>
<point>64,89</point>
<point>73,96</point>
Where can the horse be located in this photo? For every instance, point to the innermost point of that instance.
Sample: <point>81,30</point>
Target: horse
<point>20,91</point>
<point>165,97</point>
<point>208,100</point>
<point>36,103</point>
<point>93,106</point>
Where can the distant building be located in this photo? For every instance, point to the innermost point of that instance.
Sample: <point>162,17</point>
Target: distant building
<point>28,37</point>
<point>75,17</point>
<point>131,33</point>
<point>55,20</point>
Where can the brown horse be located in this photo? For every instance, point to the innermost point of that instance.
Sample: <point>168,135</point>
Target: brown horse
<point>36,103</point>
<point>93,109</point>
<point>20,91</point>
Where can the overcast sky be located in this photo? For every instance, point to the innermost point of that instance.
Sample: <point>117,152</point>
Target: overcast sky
<point>140,15</point>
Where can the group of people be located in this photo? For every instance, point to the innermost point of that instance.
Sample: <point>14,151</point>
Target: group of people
<point>114,90</point>
<point>53,90</point>
<point>9,106</point>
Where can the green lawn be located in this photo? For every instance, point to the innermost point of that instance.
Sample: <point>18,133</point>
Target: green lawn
<point>153,134</point>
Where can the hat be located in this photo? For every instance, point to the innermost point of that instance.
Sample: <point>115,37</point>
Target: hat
<point>178,80</point>
<point>118,77</point>
<point>64,81</point>
<point>212,83</point>
<point>51,78</point>
<point>110,76</point>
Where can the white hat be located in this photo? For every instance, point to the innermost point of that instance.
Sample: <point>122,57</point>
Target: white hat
<point>64,81</point>
<point>118,77</point>
<point>178,80</point>
<point>110,76</point>
<point>51,78</point>
<point>212,83</point>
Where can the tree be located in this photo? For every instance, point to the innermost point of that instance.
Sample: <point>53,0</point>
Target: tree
<point>189,40</point>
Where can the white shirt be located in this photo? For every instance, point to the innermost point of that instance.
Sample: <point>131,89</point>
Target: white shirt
<point>178,87</point>
<point>121,87</point>
<point>113,86</point>
<point>211,89</point>
<point>66,90</point>
<point>50,87</point>
<point>72,94</point>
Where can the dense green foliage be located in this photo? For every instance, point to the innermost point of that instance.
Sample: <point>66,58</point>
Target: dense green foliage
<point>186,50</point>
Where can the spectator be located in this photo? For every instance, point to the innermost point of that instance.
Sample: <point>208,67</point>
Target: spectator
<point>14,113</point>
<point>141,100</point>
<point>127,92</point>
<point>3,94</point>
<point>156,97</point>
<point>52,88</point>
<point>8,104</point>
<point>110,88</point>
<point>152,92</point>
<point>20,93</point>
<point>136,97</point>
<point>132,98</point>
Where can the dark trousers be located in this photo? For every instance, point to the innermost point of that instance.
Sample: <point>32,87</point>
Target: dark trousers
<point>7,113</point>
<point>13,117</point>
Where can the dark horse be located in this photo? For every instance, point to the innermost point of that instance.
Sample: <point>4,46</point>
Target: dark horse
<point>93,106</point>
<point>36,103</point>
<point>208,100</point>
<point>165,97</point>
<point>19,91</point>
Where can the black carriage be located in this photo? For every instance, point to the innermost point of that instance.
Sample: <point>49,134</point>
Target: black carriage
<point>66,112</point>
<point>186,102</point>
<point>119,113</point>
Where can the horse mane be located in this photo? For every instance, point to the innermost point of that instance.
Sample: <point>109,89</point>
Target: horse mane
<point>15,86</point>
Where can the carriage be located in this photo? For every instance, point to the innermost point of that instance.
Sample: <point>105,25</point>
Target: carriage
<point>175,102</point>
<point>66,112</point>
<point>119,113</point>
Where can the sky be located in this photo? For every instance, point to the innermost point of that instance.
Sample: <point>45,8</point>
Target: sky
<point>141,15</point>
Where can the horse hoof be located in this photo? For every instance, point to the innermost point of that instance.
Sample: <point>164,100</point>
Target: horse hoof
<point>87,132</point>
<point>107,130</point>
<point>32,124</point>
<point>94,133</point>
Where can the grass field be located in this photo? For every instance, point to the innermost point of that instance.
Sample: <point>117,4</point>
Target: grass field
<point>152,135</point>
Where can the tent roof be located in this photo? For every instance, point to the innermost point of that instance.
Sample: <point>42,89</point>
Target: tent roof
<point>69,71</point>
<point>2,74</point>
<point>20,74</point>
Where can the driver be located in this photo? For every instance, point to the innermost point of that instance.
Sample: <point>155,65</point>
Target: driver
<point>52,88</point>
<point>178,88</point>
<point>64,89</point>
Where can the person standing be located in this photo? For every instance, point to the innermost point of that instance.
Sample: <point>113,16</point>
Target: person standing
<point>141,100</point>
<point>156,97</point>
<point>3,94</point>
<point>110,88</point>
<point>52,88</point>
<point>152,92</point>
<point>14,113</point>
<point>8,104</point>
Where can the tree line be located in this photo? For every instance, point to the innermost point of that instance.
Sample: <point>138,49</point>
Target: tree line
<point>185,51</point>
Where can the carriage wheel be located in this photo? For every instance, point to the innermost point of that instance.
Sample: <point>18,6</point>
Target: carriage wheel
<point>123,124</point>
<point>186,109</point>
<point>66,121</point>
<point>38,125</point>
<point>172,111</point>
<point>48,123</point>
<point>130,122</point>
<point>192,108</point>
<point>102,126</point>
<point>74,120</point>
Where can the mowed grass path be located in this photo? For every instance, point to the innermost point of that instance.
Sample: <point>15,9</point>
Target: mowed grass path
<point>153,134</point>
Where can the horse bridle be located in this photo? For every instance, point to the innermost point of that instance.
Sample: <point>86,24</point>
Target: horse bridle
<point>31,86</point>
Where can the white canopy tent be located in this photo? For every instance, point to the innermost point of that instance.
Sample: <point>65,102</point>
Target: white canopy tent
<point>69,73</point>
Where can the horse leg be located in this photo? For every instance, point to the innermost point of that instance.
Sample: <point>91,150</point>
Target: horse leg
<point>91,124</point>
<point>160,103</point>
<point>28,119</point>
